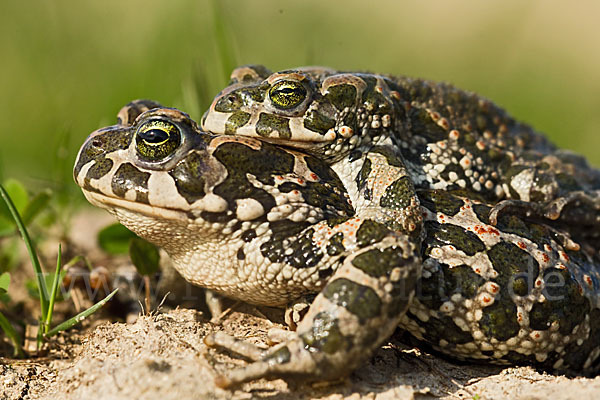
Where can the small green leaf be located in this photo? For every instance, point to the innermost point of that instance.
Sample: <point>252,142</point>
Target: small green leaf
<point>9,254</point>
<point>35,206</point>
<point>17,194</point>
<point>114,239</point>
<point>4,282</point>
<point>144,256</point>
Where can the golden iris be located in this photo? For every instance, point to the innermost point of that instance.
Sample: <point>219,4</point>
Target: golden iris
<point>156,140</point>
<point>287,94</point>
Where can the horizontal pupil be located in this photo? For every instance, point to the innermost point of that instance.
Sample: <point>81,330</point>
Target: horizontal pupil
<point>287,91</point>
<point>154,136</point>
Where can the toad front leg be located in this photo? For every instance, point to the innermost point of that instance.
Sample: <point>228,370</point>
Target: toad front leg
<point>376,262</point>
<point>358,308</point>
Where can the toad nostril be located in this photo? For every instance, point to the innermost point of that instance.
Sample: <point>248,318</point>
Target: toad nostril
<point>96,143</point>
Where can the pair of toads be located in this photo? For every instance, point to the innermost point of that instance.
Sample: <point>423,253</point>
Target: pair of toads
<point>372,201</point>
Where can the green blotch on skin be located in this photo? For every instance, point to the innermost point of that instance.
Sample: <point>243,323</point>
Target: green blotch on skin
<point>372,99</point>
<point>444,327</point>
<point>240,160</point>
<point>336,244</point>
<point>240,254</point>
<point>341,96</point>
<point>235,121</point>
<point>268,124</point>
<point>363,175</point>
<point>500,319</point>
<point>513,224</point>
<point>517,269</point>
<point>513,171</point>
<point>440,201</point>
<point>508,176</point>
<point>401,294</point>
<point>304,253</point>
<point>254,94</point>
<point>398,195</point>
<point>360,300</point>
<point>231,102</point>
<point>100,168</point>
<point>128,177</point>
<point>390,155</point>
<point>454,235</point>
<point>567,183</point>
<point>377,262</point>
<point>577,353</point>
<point>370,232</point>
<point>483,212</point>
<point>517,358</point>
<point>325,334</point>
<point>337,220</point>
<point>327,193</point>
<point>354,155</point>
<point>284,228</point>
<point>249,235</point>
<point>279,356</point>
<point>317,122</point>
<point>422,125</point>
<point>263,163</point>
<point>323,171</point>
<point>189,176</point>
<point>101,144</point>
<point>446,281</point>
<point>564,303</point>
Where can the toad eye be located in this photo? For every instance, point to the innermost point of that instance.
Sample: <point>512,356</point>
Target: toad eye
<point>287,94</point>
<point>156,140</point>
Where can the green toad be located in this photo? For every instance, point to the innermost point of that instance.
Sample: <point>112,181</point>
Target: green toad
<point>397,202</point>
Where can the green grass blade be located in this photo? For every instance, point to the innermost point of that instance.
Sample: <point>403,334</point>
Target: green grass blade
<point>32,254</point>
<point>81,316</point>
<point>12,335</point>
<point>55,284</point>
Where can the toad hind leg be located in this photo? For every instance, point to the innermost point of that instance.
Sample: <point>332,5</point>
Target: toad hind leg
<point>358,308</point>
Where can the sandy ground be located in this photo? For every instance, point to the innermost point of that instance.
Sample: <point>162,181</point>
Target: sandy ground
<point>162,356</point>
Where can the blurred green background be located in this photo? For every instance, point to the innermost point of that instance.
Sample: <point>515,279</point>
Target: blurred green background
<point>68,66</point>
